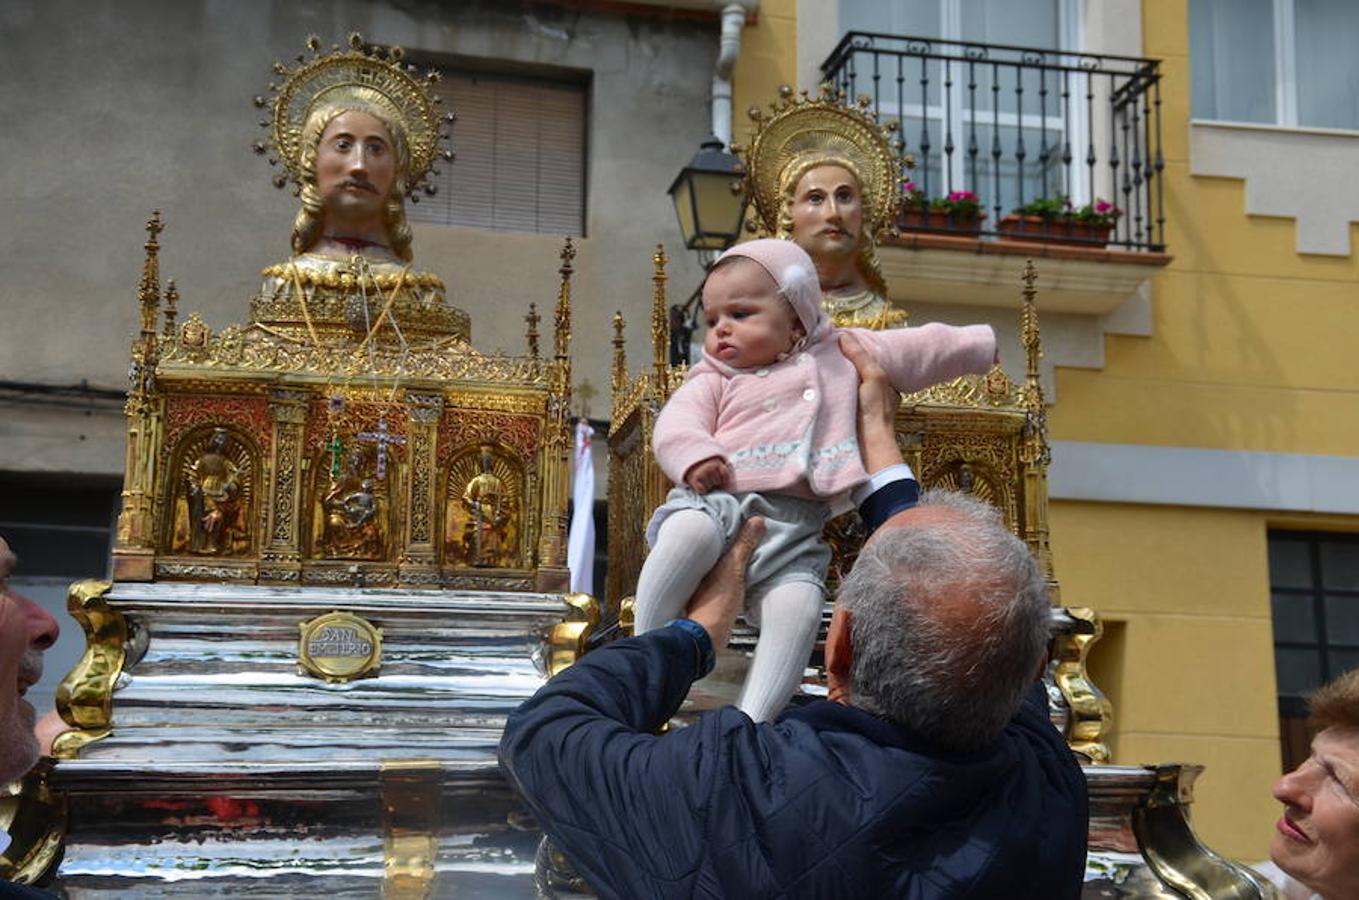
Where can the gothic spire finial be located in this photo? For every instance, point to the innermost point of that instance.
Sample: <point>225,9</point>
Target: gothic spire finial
<point>171,307</point>
<point>562,320</point>
<point>1029,334</point>
<point>660,316</point>
<point>533,319</point>
<point>620,362</point>
<point>148,288</point>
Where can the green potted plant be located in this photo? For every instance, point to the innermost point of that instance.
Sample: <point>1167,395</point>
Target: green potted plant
<point>1058,219</point>
<point>959,211</point>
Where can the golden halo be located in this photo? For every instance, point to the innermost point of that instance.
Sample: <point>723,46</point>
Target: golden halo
<point>373,77</point>
<point>801,129</point>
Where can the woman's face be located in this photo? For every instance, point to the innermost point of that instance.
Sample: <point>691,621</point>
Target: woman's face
<point>1317,839</point>
<point>827,211</point>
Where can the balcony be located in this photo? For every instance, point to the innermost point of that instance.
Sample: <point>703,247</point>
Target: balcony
<point>1015,125</point>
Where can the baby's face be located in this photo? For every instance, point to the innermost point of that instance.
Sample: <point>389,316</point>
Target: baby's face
<point>749,324</point>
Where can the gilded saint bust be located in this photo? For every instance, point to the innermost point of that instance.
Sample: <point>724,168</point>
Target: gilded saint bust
<point>357,136</point>
<point>827,177</point>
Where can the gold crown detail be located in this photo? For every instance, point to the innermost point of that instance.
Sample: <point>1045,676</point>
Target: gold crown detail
<point>369,75</point>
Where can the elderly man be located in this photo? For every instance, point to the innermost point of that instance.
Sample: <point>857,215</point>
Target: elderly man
<point>1315,850</point>
<point>932,771</point>
<point>26,630</point>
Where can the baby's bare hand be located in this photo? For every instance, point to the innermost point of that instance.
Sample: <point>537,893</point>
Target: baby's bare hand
<point>708,475</point>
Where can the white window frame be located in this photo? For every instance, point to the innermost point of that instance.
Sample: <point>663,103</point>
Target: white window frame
<point>1285,65</point>
<point>1070,29</point>
<point>1285,76</point>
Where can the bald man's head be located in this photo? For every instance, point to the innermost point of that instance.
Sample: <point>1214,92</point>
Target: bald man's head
<point>949,621</point>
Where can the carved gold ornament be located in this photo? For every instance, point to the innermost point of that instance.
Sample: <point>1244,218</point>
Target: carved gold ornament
<point>484,514</point>
<point>34,817</point>
<point>364,76</point>
<point>566,642</point>
<point>214,488</point>
<point>339,646</point>
<point>85,696</point>
<point>800,132</point>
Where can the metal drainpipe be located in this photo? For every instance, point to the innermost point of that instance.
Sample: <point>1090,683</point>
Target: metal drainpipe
<point>733,20</point>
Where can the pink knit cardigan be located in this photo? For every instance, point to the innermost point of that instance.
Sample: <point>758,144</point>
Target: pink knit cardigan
<point>790,427</point>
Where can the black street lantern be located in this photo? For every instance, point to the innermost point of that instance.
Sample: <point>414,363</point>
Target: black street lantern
<point>708,198</point>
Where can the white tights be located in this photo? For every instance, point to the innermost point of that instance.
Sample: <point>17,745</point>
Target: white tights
<point>688,544</point>
<point>789,616</point>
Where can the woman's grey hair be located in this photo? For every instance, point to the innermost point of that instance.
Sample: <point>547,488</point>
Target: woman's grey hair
<point>949,622</point>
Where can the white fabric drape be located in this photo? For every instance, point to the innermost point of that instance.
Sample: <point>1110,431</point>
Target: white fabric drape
<point>580,547</point>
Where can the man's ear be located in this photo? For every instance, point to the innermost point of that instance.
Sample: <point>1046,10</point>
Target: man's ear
<point>1043,664</point>
<point>839,655</point>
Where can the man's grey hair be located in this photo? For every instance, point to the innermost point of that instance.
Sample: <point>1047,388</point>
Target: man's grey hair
<point>949,621</point>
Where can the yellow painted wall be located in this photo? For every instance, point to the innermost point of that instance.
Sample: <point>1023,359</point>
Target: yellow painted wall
<point>1245,354</point>
<point>1188,657</point>
<point>768,59</point>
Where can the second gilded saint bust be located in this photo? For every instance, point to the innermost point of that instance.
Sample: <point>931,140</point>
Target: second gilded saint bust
<point>827,177</point>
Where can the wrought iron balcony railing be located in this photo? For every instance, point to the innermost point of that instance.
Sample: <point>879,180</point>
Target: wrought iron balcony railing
<point>1015,125</point>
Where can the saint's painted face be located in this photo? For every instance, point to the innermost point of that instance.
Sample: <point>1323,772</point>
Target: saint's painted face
<point>355,168</point>
<point>749,324</point>
<point>1317,840</point>
<point>827,211</point>
<point>26,630</point>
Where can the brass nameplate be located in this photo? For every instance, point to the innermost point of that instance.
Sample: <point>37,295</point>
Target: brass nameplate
<point>339,646</point>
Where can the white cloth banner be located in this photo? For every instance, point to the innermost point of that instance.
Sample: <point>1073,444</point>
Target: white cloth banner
<point>580,548</point>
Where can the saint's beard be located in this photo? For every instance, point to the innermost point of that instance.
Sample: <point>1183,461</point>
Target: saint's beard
<point>347,213</point>
<point>837,264</point>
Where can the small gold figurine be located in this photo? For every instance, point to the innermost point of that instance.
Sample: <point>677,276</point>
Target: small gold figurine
<point>215,502</point>
<point>352,510</point>
<point>486,501</point>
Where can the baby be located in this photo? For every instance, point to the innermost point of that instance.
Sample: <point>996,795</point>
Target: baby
<point>764,426</point>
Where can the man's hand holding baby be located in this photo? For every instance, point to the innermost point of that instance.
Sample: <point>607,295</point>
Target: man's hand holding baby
<point>708,475</point>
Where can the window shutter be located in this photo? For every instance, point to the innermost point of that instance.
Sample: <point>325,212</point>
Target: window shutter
<point>520,162</point>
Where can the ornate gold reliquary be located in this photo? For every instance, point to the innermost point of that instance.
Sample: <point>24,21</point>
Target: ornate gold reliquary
<point>316,446</point>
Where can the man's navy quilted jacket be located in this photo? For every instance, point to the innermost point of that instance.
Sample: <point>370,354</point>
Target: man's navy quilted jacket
<point>828,802</point>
